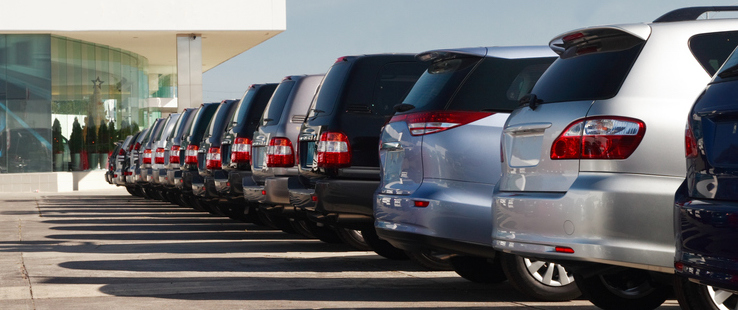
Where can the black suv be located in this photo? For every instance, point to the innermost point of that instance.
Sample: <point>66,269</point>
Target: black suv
<point>189,157</point>
<point>338,157</point>
<point>236,150</point>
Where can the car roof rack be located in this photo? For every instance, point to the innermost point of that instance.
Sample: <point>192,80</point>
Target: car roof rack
<point>691,13</point>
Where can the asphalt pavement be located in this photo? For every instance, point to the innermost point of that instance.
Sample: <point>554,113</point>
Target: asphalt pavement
<point>110,250</point>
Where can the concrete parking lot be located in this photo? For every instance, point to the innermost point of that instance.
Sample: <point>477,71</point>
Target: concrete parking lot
<point>110,250</point>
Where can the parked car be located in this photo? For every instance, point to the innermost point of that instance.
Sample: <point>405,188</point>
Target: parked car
<point>273,156</point>
<point>133,172</point>
<point>169,173</point>
<point>110,169</point>
<point>440,161</point>
<point>236,152</point>
<point>209,157</point>
<point>593,157</point>
<point>338,159</point>
<point>706,204</point>
<point>160,156</point>
<point>191,145</point>
<point>122,161</point>
<point>146,157</point>
<point>118,150</point>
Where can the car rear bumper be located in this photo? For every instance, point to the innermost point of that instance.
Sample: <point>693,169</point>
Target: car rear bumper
<point>707,231</point>
<point>456,211</point>
<point>345,203</point>
<point>612,218</point>
<point>252,191</point>
<point>302,197</point>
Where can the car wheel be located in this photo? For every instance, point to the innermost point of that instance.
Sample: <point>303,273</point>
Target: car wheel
<point>478,269</point>
<point>382,247</point>
<point>695,296</point>
<point>431,260</point>
<point>132,190</point>
<point>276,222</point>
<point>301,227</point>
<point>539,279</point>
<point>324,233</point>
<point>628,289</point>
<point>354,238</point>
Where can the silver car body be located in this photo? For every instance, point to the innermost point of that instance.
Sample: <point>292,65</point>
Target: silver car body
<point>294,113</point>
<point>613,211</point>
<point>161,143</point>
<point>453,171</point>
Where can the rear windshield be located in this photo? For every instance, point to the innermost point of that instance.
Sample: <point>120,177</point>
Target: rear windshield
<point>273,111</point>
<point>218,122</point>
<point>589,72</point>
<point>476,84</point>
<point>712,49</point>
<point>326,97</point>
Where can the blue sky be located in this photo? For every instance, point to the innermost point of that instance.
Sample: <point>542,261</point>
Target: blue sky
<point>319,31</point>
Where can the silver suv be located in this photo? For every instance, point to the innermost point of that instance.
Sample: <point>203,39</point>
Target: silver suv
<point>593,158</point>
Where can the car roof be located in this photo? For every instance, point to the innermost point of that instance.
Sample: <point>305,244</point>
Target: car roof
<point>508,52</point>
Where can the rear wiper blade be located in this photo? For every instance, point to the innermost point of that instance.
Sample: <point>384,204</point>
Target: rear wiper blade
<point>531,100</point>
<point>732,71</point>
<point>403,107</point>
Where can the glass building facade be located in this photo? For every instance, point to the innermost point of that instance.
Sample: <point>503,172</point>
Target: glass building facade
<point>64,102</point>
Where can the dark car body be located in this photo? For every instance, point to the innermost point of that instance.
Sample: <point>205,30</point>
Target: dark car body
<point>189,149</point>
<point>174,154</point>
<point>209,161</point>
<point>237,165</point>
<point>706,205</point>
<point>356,98</point>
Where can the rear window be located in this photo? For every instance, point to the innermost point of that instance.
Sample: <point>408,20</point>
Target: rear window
<point>218,122</point>
<point>327,95</point>
<point>712,49</point>
<point>592,70</point>
<point>391,85</point>
<point>275,107</point>
<point>476,84</point>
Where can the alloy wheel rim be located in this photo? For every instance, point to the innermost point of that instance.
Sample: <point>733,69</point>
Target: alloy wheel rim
<point>548,273</point>
<point>723,299</point>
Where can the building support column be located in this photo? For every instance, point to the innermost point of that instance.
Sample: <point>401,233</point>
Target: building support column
<point>189,71</point>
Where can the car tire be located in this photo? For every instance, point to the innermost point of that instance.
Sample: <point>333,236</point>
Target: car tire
<point>354,238</point>
<point>382,247</point>
<point>695,296</point>
<point>301,227</point>
<point>132,190</point>
<point>431,260</point>
<point>628,289</point>
<point>324,233</point>
<point>276,222</point>
<point>478,269</point>
<point>541,280</point>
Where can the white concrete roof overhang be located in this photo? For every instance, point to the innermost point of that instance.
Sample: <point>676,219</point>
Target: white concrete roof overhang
<point>149,28</point>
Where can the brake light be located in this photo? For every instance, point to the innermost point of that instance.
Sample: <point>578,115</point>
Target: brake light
<point>147,157</point>
<point>334,150</point>
<point>690,143</point>
<point>159,156</point>
<point>280,153</point>
<point>241,150</point>
<point>423,123</point>
<point>121,151</point>
<point>212,160</point>
<point>174,154</point>
<point>137,146</point>
<point>599,138</point>
<point>191,154</point>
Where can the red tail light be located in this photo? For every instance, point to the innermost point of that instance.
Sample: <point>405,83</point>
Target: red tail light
<point>137,146</point>
<point>159,156</point>
<point>147,157</point>
<point>690,143</point>
<point>212,160</point>
<point>599,138</point>
<point>423,123</point>
<point>280,153</point>
<point>241,150</point>
<point>121,151</point>
<point>191,154</point>
<point>174,154</point>
<point>334,150</point>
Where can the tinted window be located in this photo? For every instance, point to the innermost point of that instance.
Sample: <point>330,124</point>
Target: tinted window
<point>711,49</point>
<point>217,124</point>
<point>466,84</point>
<point>243,106</point>
<point>325,98</point>
<point>395,81</point>
<point>273,111</point>
<point>590,72</point>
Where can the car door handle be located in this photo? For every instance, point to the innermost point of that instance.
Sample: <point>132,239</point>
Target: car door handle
<point>390,146</point>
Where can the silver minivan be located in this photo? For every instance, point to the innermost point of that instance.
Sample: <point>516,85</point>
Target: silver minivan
<point>592,159</point>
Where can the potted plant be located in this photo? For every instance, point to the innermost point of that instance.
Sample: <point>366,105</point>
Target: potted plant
<point>57,145</point>
<point>91,144</point>
<point>76,144</point>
